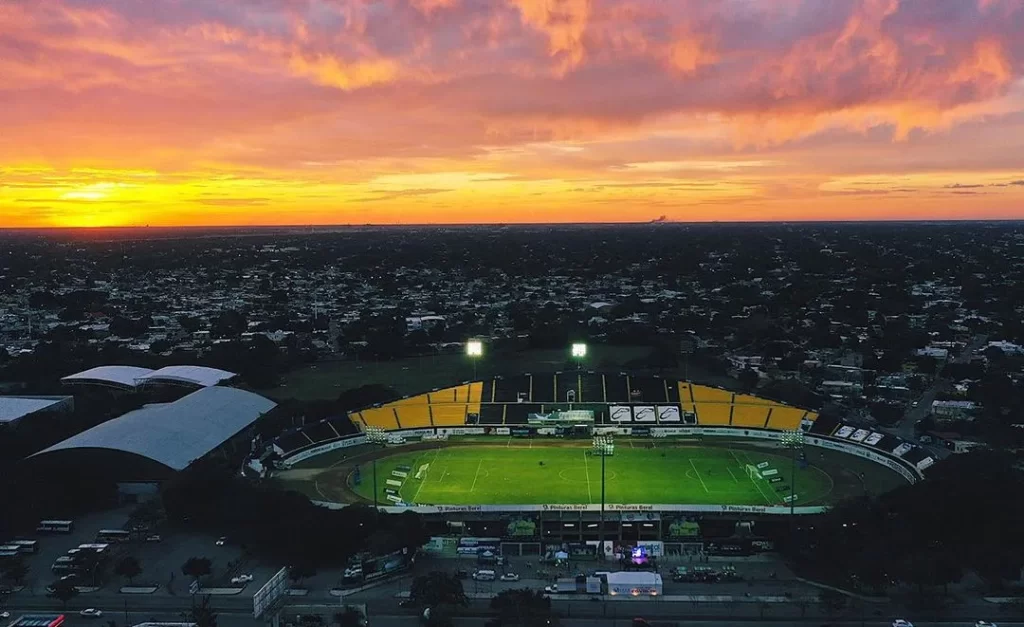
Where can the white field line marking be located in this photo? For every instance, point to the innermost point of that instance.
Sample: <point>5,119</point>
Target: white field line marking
<point>731,473</point>
<point>477,474</point>
<point>697,472</point>
<point>586,468</point>
<point>425,476</point>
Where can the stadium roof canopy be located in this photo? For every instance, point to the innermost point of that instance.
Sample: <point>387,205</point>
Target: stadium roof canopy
<point>14,408</point>
<point>119,376</point>
<point>174,434</point>
<point>189,375</point>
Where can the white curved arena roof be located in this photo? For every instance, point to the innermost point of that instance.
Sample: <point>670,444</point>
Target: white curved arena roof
<point>125,376</point>
<point>192,375</point>
<point>175,434</point>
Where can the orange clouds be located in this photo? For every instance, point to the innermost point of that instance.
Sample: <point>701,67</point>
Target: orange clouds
<point>313,110</point>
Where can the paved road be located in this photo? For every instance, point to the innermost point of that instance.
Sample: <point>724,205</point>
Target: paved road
<point>906,427</point>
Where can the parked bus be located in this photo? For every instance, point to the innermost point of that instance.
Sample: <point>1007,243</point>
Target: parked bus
<point>55,526</point>
<point>113,535</point>
<point>38,620</point>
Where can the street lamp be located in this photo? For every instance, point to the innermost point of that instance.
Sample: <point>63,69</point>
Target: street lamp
<point>376,435</point>
<point>474,350</point>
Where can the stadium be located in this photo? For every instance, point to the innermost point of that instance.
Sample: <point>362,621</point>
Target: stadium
<point>587,442</point>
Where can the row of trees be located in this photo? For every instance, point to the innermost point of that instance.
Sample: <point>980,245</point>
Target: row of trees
<point>966,517</point>
<point>441,594</point>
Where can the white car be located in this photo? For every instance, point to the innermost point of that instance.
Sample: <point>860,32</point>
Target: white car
<point>899,622</point>
<point>510,577</point>
<point>984,623</point>
<point>5,614</point>
<point>221,541</point>
<point>241,579</point>
<point>553,589</point>
<point>91,613</point>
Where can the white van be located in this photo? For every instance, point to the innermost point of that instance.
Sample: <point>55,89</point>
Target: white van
<point>484,575</point>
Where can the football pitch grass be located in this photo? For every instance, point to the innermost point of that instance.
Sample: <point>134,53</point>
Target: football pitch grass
<point>520,474</point>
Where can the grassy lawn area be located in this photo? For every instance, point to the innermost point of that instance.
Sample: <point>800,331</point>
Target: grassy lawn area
<point>420,374</point>
<point>520,474</point>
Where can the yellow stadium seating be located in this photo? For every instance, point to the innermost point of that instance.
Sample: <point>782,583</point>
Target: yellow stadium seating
<point>749,415</point>
<point>383,417</point>
<point>713,413</point>
<point>747,399</point>
<point>686,396</point>
<point>476,392</point>
<point>414,416</point>
<point>448,414</point>
<point>812,416</point>
<point>785,418</point>
<point>420,399</point>
<point>710,394</point>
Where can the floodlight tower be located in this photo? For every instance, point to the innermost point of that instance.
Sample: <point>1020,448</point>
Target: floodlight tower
<point>474,350</point>
<point>579,353</point>
<point>604,446</point>
<point>794,439</point>
<point>376,435</point>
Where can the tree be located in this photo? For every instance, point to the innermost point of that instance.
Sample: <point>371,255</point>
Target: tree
<point>202,615</point>
<point>300,571</point>
<point>351,617</point>
<point>832,602</point>
<point>748,379</point>
<point>525,607</point>
<point>438,588</point>
<point>129,568</point>
<point>196,567</point>
<point>16,572</point>
<point>63,590</point>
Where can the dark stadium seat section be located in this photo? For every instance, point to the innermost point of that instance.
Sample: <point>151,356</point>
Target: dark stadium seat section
<point>487,395</point>
<point>517,413</point>
<point>507,388</point>
<point>293,441</point>
<point>591,388</point>
<point>320,432</point>
<point>616,388</point>
<point>342,425</point>
<point>565,381</point>
<point>652,390</point>
<point>543,388</point>
<point>491,414</point>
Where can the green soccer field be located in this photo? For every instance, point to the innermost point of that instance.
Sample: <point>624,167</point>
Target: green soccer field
<point>492,475</point>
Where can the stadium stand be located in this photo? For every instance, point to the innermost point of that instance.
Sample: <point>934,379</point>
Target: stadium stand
<point>487,393</point>
<point>383,417</point>
<point>517,413</point>
<point>342,425</point>
<point>616,388</point>
<point>686,396</point>
<point>542,389</point>
<point>785,418</point>
<point>591,388</point>
<point>749,415</point>
<point>476,392</point>
<point>448,414</point>
<point>491,414</point>
<point>413,415</point>
<point>651,390</point>
<point>746,399</point>
<point>712,405</point>
<point>507,389</point>
<point>672,390</point>
<point>565,381</point>
<point>320,432</point>
<point>290,442</point>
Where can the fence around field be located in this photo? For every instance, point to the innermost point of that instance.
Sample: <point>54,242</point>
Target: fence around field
<point>905,469</point>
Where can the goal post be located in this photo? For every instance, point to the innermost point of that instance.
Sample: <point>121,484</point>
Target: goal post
<point>753,473</point>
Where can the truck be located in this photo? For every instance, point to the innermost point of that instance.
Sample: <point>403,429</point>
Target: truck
<point>635,583</point>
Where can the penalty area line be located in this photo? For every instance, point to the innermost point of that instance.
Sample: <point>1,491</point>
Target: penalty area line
<point>699,478</point>
<point>586,469</point>
<point>477,475</point>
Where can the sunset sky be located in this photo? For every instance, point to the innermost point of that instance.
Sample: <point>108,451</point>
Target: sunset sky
<point>212,112</point>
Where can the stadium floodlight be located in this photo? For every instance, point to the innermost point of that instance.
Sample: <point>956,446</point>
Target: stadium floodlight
<point>474,348</point>
<point>579,350</point>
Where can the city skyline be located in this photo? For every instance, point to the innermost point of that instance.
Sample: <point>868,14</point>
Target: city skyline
<point>326,112</point>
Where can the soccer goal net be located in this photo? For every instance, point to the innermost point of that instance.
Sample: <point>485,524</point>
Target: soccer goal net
<point>753,473</point>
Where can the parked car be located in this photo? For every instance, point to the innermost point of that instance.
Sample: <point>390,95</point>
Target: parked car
<point>552,589</point>
<point>510,577</point>
<point>899,622</point>
<point>221,541</point>
<point>5,614</point>
<point>984,623</point>
<point>462,573</point>
<point>153,537</point>
<point>241,579</point>
<point>91,613</point>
